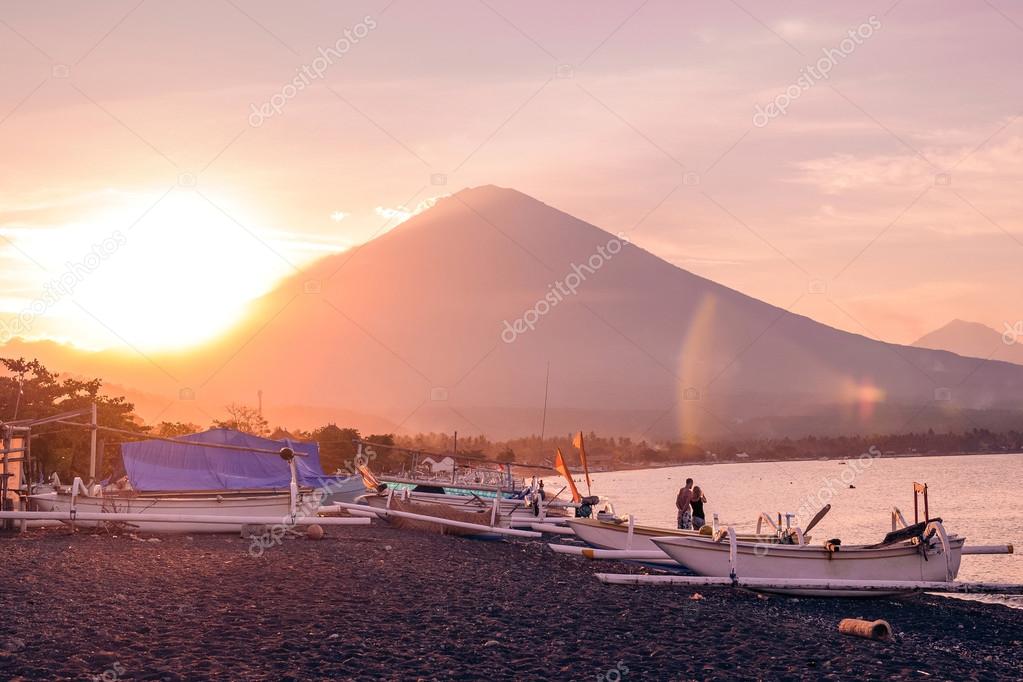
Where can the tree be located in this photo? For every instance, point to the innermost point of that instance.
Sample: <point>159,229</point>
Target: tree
<point>174,429</point>
<point>337,451</point>
<point>244,418</point>
<point>32,391</point>
<point>386,458</point>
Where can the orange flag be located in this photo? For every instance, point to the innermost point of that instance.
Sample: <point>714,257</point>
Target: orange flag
<point>559,464</point>
<point>368,479</point>
<point>578,442</point>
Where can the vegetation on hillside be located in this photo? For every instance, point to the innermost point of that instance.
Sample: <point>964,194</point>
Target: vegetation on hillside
<point>29,391</point>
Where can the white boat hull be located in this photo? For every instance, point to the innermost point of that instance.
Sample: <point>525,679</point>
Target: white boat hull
<point>346,490</point>
<point>228,504</point>
<point>513,511</point>
<point>605,535</point>
<point>903,562</point>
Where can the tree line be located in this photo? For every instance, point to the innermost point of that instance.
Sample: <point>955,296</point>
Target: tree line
<point>31,391</point>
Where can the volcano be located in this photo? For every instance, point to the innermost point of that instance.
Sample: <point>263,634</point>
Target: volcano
<point>453,319</point>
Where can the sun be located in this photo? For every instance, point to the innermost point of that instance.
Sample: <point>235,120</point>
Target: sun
<point>177,276</point>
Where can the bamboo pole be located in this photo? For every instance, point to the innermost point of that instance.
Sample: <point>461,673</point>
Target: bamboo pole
<point>865,586</point>
<point>184,518</point>
<point>989,549</point>
<point>5,473</point>
<point>551,528</point>
<point>433,519</point>
<point>611,554</point>
<point>178,441</point>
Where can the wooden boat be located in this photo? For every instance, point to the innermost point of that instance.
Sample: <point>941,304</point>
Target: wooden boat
<point>622,536</point>
<point>520,511</point>
<point>245,479</point>
<point>509,513</point>
<point>615,534</point>
<point>255,504</point>
<point>917,557</point>
<point>342,490</point>
<point>933,559</point>
<point>466,484</point>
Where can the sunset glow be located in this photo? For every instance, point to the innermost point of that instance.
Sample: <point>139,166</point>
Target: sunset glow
<point>860,174</point>
<point>708,288</point>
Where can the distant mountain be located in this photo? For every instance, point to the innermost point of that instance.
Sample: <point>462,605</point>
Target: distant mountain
<point>976,340</point>
<point>450,320</point>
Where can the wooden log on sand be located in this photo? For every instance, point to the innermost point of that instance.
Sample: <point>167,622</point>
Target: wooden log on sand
<point>869,629</point>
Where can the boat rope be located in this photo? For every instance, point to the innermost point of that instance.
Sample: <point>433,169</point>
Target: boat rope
<point>178,441</point>
<point>456,457</point>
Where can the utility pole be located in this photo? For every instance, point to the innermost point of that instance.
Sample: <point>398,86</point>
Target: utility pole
<point>92,444</point>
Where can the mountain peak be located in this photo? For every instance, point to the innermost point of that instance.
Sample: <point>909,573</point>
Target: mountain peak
<point>972,339</point>
<point>966,324</point>
<point>958,328</point>
<point>489,190</point>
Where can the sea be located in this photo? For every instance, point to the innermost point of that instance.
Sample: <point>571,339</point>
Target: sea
<point>979,497</point>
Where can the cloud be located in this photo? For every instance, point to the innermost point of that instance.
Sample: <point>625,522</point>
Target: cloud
<point>841,173</point>
<point>399,214</point>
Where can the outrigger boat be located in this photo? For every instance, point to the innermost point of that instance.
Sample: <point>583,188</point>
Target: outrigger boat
<point>467,484</point>
<point>511,513</point>
<point>219,480</point>
<point>913,557</point>
<point>229,504</point>
<point>629,541</point>
<point>932,557</point>
<point>477,494</point>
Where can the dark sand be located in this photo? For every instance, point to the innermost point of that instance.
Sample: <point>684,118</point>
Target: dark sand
<point>379,603</point>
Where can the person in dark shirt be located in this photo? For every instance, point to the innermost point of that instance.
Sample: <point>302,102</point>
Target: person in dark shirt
<point>684,506</point>
<point>699,518</point>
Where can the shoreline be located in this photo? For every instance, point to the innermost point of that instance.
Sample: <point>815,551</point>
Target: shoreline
<point>375,602</point>
<point>907,455</point>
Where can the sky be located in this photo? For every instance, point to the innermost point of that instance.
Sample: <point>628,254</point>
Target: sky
<point>162,164</point>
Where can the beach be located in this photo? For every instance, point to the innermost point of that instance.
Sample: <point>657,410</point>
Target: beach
<point>379,603</point>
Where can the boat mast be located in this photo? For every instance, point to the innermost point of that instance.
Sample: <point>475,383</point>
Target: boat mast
<point>546,385</point>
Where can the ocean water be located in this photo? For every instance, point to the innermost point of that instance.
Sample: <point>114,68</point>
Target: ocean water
<point>979,497</point>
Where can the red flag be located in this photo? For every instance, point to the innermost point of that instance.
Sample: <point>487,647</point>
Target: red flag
<point>578,442</point>
<point>559,464</point>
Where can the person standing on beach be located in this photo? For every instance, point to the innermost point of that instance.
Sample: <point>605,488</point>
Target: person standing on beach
<point>684,505</point>
<point>699,518</point>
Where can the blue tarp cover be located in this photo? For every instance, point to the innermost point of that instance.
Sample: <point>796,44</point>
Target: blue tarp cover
<point>159,465</point>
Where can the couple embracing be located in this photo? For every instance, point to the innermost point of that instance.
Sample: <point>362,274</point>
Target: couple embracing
<point>689,503</point>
